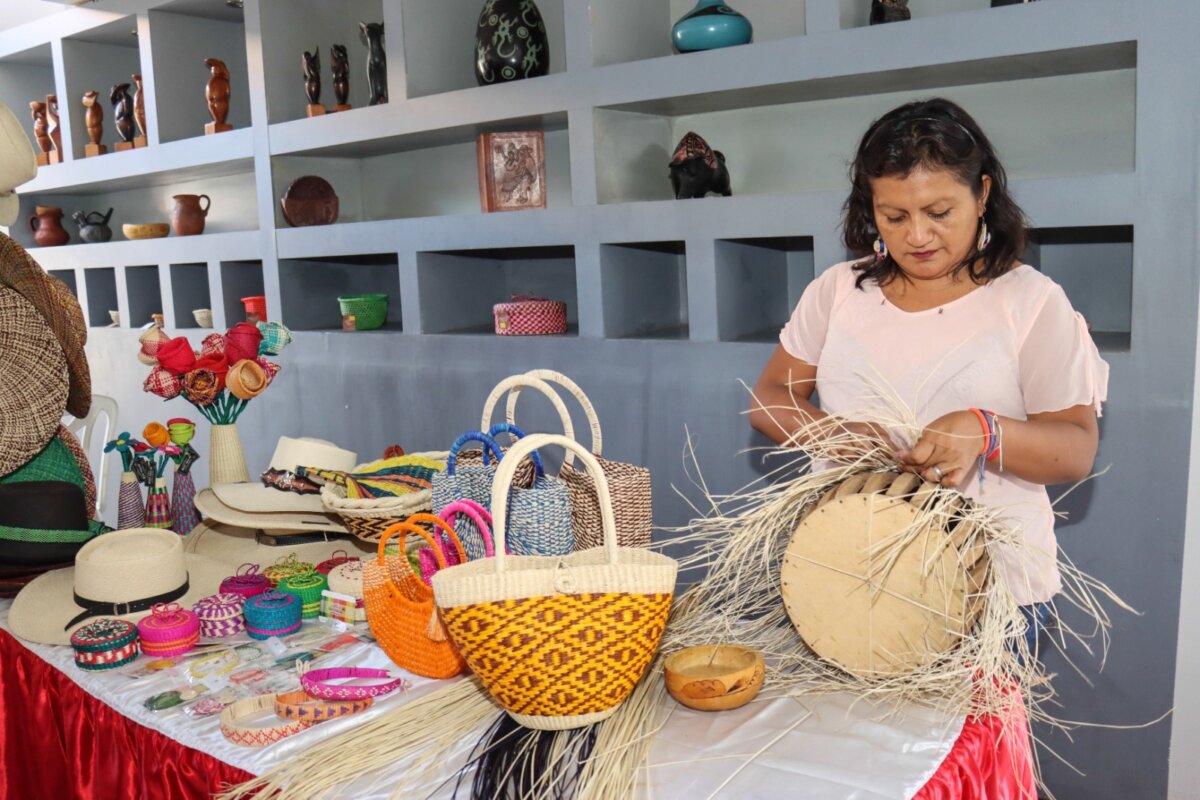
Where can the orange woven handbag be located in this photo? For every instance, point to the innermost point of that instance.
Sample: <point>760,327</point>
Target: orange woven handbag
<point>400,607</point>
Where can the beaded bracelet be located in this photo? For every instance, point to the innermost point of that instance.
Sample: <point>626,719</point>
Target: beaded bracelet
<point>219,668</point>
<point>235,729</point>
<point>170,630</point>
<point>105,644</point>
<point>301,705</point>
<point>272,614</point>
<point>246,582</point>
<point>314,681</point>
<point>992,435</point>
<point>220,614</point>
<point>308,587</point>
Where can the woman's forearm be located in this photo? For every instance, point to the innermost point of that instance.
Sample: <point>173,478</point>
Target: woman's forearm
<point>777,411</point>
<point>1047,451</point>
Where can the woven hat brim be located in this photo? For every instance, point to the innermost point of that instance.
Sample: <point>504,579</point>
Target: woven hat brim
<point>42,608</point>
<point>34,381</point>
<point>258,499</point>
<point>10,208</point>
<point>210,506</point>
<point>235,546</point>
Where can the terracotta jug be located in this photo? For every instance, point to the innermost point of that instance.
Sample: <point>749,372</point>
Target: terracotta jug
<point>47,227</point>
<point>188,217</point>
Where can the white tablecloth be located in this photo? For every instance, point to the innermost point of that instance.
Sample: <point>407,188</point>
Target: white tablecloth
<point>818,748</point>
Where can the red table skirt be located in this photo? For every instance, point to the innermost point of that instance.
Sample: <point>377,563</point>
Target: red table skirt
<point>57,741</point>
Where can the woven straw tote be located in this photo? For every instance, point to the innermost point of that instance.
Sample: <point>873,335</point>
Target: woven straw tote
<point>559,642</point>
<point>400,607</point>
<point>467,480</point>
<point>629,484</point>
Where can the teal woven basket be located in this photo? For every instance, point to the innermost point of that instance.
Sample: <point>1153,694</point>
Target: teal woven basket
<point>369,310</point>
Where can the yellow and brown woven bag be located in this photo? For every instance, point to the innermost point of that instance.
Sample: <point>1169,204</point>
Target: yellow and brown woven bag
<point>560,642</point>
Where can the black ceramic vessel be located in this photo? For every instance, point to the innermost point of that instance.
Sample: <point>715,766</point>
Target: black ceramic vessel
<point>889,11</point>
<point>510,42</point>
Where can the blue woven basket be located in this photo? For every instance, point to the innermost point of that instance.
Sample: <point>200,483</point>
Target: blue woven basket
<point>272,614</point>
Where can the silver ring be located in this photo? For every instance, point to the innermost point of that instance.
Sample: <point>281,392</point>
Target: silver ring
<point>937,471</point>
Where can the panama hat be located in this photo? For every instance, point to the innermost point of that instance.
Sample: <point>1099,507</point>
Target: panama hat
<point>284,522</point>
<point>257,498</point>
<point>33,382</point>
<point>17,164</point>
<point>120,574</point>
<point>235,546</point>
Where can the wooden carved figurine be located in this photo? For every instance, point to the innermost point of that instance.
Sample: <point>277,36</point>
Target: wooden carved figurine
<point>889,11</point>
<point>371,34</point>
<point>95,124</point>
<point>122,105</point>
<point>139,111</point>
<point>311,63</point>
<point>37,110</point>
<point>217,94</point>
<point>53,129</point>
<point>339,62</point>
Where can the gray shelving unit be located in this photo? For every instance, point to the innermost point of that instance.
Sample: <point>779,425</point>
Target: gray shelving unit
<point>1088,102</point>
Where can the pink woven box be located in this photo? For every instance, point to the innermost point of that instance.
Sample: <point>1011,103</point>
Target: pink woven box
<point>530,316</point>
<point>170,630</point>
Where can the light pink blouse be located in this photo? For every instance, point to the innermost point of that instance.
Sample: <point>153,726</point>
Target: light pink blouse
<point>1014,346</point>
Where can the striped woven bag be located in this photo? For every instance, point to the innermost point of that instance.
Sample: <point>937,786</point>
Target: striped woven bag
<point>559,642</point>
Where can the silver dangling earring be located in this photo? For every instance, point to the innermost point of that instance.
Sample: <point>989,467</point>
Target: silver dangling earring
<point>985,236</point>
<point>880,249</point>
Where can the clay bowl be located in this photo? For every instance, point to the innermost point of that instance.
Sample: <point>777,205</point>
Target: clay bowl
<point>714,677</point>
<point>148,230</point>
<point>310,200</point>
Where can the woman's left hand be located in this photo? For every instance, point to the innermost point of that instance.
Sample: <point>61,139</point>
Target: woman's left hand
<point>947,449</point>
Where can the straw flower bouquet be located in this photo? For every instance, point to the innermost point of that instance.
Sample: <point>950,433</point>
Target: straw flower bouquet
<point>219,379</point>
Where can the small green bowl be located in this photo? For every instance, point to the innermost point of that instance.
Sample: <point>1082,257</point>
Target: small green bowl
<point>369,310</point>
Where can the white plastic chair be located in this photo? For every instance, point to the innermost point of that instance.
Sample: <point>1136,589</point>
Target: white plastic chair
<point>85,430</point>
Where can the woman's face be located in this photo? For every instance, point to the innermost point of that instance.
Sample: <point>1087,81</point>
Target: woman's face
<point>928,219</point>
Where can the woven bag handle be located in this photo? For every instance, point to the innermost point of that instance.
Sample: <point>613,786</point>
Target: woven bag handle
<point>589,410</point>
<point>508,469</point>
<point>473,436</point>
<point>410,526</point>
<point>480,515</point>
<point>517,433</point>
<point>515,383</point>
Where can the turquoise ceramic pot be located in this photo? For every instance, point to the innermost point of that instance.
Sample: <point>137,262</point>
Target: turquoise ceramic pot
<point>711,24</point>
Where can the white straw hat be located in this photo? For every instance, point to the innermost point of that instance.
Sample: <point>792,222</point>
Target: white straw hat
<point>290,453</point>
<point>17,164</point>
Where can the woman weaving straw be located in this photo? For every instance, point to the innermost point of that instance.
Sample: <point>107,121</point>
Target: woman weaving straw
<point>987,353</point>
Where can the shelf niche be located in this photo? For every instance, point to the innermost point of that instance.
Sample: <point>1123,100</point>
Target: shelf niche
<point>309,288</point>
<point>759,282</point>
<point>645,290</point>
<point>1094,266</point>
<point>631,30</point>
<point>183,34</point>
<point>99,59</point>
<point>291,27</point>
<point>144,293</point>
<point>458,288</point>
<point>189,291</point>
<point>240,279</point>
<point>777,142</point>
<point>439,43</point>
<point>25,77</point>
<point>101,284</point>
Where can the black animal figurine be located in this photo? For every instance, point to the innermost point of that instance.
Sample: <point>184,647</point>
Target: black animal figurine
<point>340,64</point>
<point>371,34</point>
<point>122,104</point>
<point>697,169</point>
<point>311,64</point>
<point>889,11</point>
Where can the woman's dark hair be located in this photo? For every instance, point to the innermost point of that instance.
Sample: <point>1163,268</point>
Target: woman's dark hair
<point>936,135</point>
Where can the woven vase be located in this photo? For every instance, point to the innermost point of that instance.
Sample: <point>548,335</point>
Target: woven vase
<point>158,506</point>
<point>183,504</point>
<point>227,462</point>
<point>131,509</point>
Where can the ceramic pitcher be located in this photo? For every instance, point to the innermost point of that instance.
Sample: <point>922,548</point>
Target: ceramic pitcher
<point>47,228</point>
<point>188,217</point>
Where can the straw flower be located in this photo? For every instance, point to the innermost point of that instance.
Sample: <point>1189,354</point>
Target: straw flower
<point>241,342</point>
<point>156,434</point>
<point>202,386</point>
<point>275,337</point>
<point>213,344</point>
<point>176,356</point>
<point>163,383</point>
<point>214,363</point>
<point>246,379</point>
<point>269,367</point>
<point>182,430</point>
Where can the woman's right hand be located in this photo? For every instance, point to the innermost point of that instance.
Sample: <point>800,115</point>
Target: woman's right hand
<point>861,438</point>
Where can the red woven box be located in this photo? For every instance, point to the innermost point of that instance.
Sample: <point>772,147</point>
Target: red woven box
<point>530,316</point>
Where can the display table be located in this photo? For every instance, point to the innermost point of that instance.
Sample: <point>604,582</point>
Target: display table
<point>67,733</point>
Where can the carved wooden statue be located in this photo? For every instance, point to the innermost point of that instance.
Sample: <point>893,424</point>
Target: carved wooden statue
<point>95,124</point>
<point>139,111</point>
<point>371,34</point>
<point>217,95</point>
<point>311,64</point>
<point>53,129</point>
<point>339,62</point>
<point>122,105</point>
<point>37,110</point>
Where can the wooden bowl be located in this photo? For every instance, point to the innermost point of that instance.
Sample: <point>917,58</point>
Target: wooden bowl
<point>310,200</point>
<point>148,230</point>
<point>714,677</point>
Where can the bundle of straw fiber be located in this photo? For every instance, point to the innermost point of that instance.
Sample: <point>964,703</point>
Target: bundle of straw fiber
<point>739,545</point>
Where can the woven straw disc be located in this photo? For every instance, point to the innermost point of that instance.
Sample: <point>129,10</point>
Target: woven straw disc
<point>922,606</point>
<point>33,381</point>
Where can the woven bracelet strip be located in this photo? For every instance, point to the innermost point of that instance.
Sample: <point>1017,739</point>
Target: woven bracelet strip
<point>234,729</point>
<point>301,705</point>
<point>315,682</point>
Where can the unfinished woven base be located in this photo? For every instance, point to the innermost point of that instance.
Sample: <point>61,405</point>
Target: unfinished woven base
<point>226,461</point>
